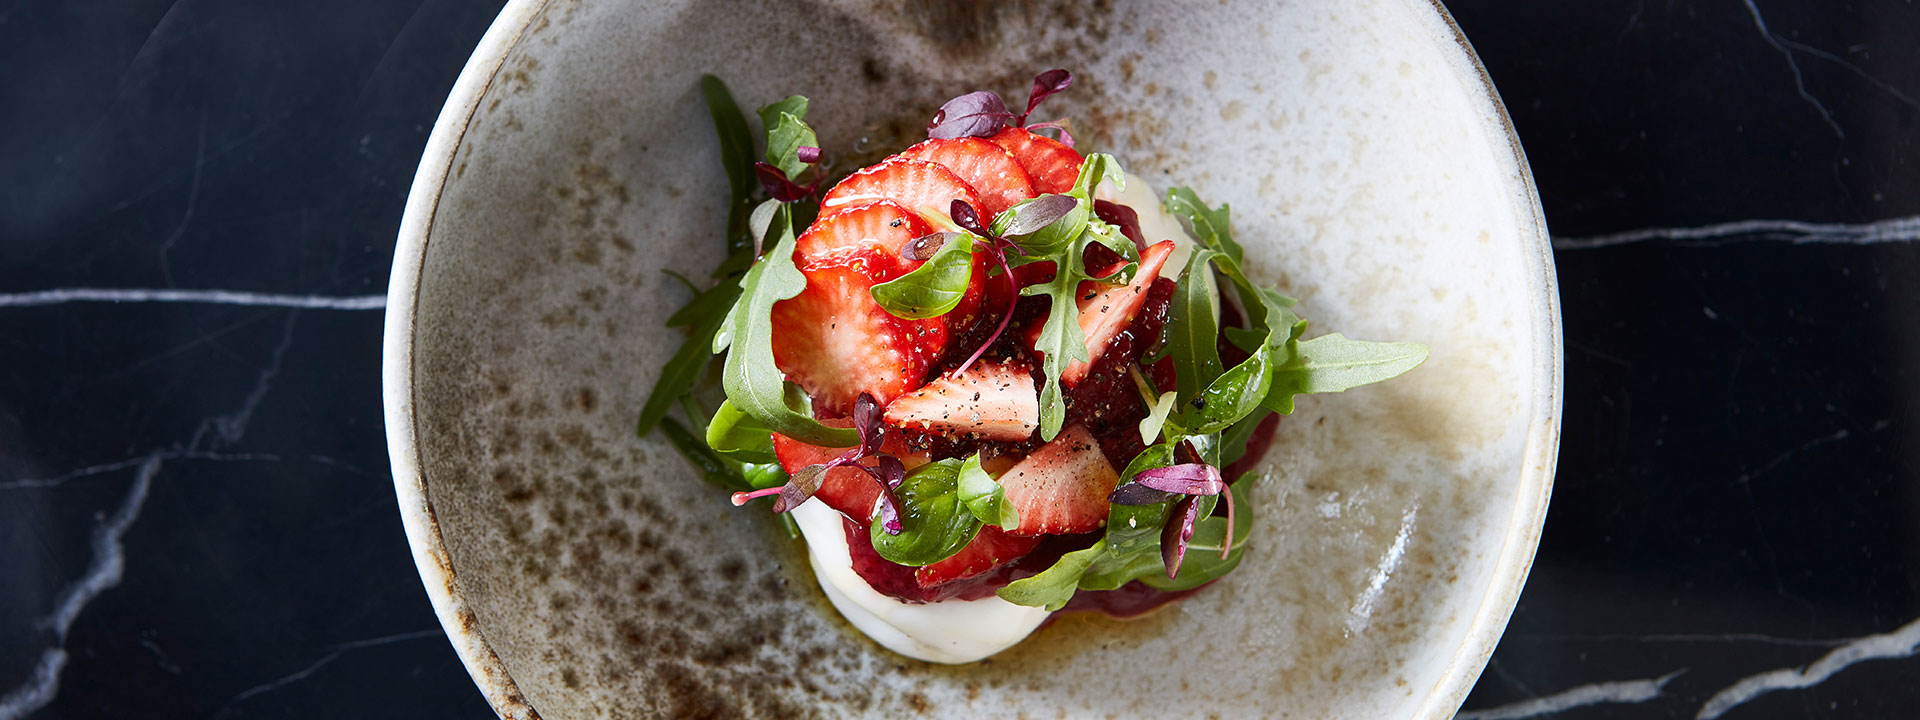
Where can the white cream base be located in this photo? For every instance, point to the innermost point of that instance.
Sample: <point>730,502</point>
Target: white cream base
<point>950,632</point>
<point>1156,223</point>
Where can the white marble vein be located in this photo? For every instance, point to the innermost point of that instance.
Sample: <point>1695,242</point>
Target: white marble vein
<point>1901,643</point>
<point>63,296</point>
<point>1905,229</point>
<point>103,572</point>
<point>1626,691</point>
<point>1799,82</point>
<point>1361,615</point>
<point>333,654</point>
<point>169,456</point>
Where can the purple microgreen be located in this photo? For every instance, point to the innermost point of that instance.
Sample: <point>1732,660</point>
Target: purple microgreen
<point>921,249</point>
<point>1066,135</point>
<point>1122,217</point>
<point>777,185</point>
<point>808,154</point>
<point>890,474</point>
<point>1179,529</point>
<point>1044,86</point>
<point>967,218</point>
<point>866,421</point>
<point>1184,479</point>
<point>1031,217</point>
<point>975,114</point>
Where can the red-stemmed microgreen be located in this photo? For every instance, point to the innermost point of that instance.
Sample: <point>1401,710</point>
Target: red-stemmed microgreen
<point>887,470</point>
<point>1045,85</point>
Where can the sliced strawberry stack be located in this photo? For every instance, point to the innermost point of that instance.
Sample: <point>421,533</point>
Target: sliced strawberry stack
<point>992,400</point>
<point>848,490</point>
<point>833,339</point>
<point>1052,165</point>
<point>990,549</point>
<point>1062,488</point>
<point>990,170</point>
<point>921,186</point>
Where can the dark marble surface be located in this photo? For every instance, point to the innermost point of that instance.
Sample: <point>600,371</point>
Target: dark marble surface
<point>196,518</point>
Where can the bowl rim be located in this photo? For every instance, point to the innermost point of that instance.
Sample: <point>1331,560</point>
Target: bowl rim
<point>489,673</point>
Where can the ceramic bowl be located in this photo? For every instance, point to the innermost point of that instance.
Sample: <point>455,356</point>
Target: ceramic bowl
<point>582,572</point>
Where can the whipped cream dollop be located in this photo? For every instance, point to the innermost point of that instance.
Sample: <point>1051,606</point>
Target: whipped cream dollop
<point>955,631</point>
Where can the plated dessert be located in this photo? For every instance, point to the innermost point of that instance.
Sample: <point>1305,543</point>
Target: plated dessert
<point>988,378</point>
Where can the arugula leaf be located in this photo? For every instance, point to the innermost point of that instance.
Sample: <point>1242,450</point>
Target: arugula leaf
<point>736,155</point>
<point>740,436</point>
<point>984,496</point>
<point>1203,562</point>
<point>1213,228</point>
<point>716,469</point>
<point>934,523</point>
<point>752,381</point>
<point>1232,396</point>
<point>1332,363</point>
<point>1193,326</point>
<point>1060,342</point>
<point>1053,587</point>
<point>1233,442</point>
<point>677,376</point>
<point>1096,168</point>
<point>787,133</point>
<point>933,289</point>
<point>761,476</point>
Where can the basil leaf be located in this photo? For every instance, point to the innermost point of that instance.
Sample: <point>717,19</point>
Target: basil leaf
<point>933,289</point>
<point>786,133</point>
<point>752,381</point>
<point>934,524</point>
<point>761,476</point>
<point>984,496</point>
<point>1053,587</point>
<point>1212,228</point>
<point>677,376</point>
<point>716,469</point>
<point>1332,363</point>
<point>1232,396</point>
<point>1193,326</point>
<point>1047,240</point>
<point>1203,562</point>
<point>740,436</point>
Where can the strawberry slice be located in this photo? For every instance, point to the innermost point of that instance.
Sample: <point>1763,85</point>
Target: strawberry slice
<point>992,173</point>
<point>990,549</point>
<point>1062,488</point>
<point>993,400</point>
<point>921,186</point>
<point>881,224</point>
<point>1105,310</point>
<point>836,342</point>
<point>845,489</point>
<point>1052,166</point>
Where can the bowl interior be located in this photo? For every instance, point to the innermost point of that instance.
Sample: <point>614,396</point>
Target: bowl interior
<point>1370,175</point>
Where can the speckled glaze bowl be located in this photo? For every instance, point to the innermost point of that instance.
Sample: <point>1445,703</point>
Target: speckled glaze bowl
<point>582,572</point>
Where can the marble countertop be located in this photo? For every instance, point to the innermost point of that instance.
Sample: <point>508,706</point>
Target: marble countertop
<point>198,201</point>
